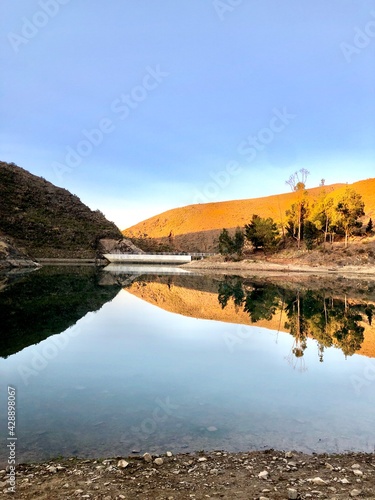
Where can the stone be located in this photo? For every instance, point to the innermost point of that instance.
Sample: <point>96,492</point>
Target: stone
<point>357,472</point>
<point>158,461</point>
<point>328,466</point>
<point>344,481</point>
<point>288,454</point>
<point>202,459</point>
<point>292,494</point>
<point>147,457</point>
<point>263,475</point>
<point>122,464</point>
<point>318,481</point>
<point>212,428</point>
<point>355,493</point>
<point>169,454</point>
<point>356,466</point>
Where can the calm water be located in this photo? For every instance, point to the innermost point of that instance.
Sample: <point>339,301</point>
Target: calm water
<point>106,363</point>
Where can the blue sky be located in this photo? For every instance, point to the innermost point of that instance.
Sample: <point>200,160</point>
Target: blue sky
<point>142,106</point>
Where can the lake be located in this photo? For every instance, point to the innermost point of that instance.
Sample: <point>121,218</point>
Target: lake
<point>110,363</point>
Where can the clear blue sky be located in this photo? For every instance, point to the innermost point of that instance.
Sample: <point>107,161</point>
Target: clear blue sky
<point>138,106</point>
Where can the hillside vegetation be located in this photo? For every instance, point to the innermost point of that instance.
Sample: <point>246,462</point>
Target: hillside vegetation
<point>47,221</point>
<point>197,227</point>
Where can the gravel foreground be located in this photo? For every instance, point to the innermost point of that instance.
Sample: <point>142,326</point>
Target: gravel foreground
<point>255,475</point>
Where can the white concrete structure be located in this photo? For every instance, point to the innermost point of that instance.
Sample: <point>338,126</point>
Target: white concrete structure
<point>145,258</point>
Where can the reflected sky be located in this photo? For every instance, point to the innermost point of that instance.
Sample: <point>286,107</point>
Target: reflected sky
<point>134,376</point>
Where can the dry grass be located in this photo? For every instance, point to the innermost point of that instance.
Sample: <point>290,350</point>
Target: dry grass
<point>196,227</point>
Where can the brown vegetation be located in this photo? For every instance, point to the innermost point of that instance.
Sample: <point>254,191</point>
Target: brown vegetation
<point>197,227</point>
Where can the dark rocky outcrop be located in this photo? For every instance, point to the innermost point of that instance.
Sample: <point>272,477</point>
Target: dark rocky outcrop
<point>46,221</point>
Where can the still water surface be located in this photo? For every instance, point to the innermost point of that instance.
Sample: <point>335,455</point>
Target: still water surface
<point>106,364</point>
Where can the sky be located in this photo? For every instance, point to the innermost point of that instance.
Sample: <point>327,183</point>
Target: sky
<point>140,106</point>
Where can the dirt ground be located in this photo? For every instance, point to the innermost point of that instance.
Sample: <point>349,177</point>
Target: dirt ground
<point>255,475</point>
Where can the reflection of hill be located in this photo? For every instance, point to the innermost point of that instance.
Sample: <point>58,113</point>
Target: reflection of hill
<point>47,302</point>
<point>199,299</point>
<point>202,304</point>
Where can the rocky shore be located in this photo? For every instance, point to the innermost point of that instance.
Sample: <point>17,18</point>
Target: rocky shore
<point>262,475</point>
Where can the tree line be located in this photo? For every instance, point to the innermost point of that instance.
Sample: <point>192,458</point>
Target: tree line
<point>308,222</point>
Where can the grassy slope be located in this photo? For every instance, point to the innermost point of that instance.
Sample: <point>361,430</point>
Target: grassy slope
<point>199,225</point>
<point>48,221</point>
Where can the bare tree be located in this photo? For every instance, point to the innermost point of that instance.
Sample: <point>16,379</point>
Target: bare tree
<point>297,182</point>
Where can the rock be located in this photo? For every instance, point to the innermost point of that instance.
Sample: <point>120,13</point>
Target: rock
<point>147,457</point>
<point>357,472</point>
<point>356,466</point>
<point>292,494</point>
<point>202,459</point>
<point>263,498</point>
<point>355,493</point>
<point>158,461</point>
<point>52,469</point>
<point>288,454</point>
<point>318,480</point>
<point>329,466</point>
<point>212,428</point>
<point>263,475</point>
<point>169,454</point>
<point>122,464</point>
<point>344,481</point>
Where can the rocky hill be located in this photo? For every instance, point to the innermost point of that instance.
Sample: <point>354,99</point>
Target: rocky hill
<point>197,227</point>
<point>46,221</point>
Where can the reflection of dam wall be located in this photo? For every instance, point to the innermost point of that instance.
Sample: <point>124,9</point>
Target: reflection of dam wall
<point>204,304</point>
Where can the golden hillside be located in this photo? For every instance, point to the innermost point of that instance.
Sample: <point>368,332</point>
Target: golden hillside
<point>198,226</point>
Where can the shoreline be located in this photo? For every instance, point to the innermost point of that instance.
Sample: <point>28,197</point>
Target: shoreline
<point>262,475</point>
<point>260,267</point>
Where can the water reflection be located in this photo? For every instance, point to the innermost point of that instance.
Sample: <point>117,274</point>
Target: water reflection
<point>36,305</point>
<point>332,320</point>
<point>166,365</point>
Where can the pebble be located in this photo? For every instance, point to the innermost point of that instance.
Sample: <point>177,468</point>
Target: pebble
<point>318,480</point>
<point>147,457</point>
<point>288,454</point>
<point>344,481</point>
<point>263,498</point>
<point>355,493</point>
<point>292,494</point>
<point>263,475</point>
<point>357,472</point>
<point>202,459</point>
<point>158,461</point>
<point>122,464</point>
<point>169,454</point>
<point>356,466</point>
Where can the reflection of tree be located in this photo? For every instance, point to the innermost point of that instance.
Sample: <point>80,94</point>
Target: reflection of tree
<point>330,321</point>
<point>261,303</point>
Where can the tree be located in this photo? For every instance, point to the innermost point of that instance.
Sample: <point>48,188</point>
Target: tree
<point>349,208</point>
<point>310,234</point>
<point>322,214</point>
<point>296,216</point>
<point>369,227</point>
<point>230,246</point>
<point>262,232</point>
<point>297,183</point>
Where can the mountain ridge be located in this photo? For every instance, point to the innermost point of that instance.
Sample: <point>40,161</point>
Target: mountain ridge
<point>196,227</point>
